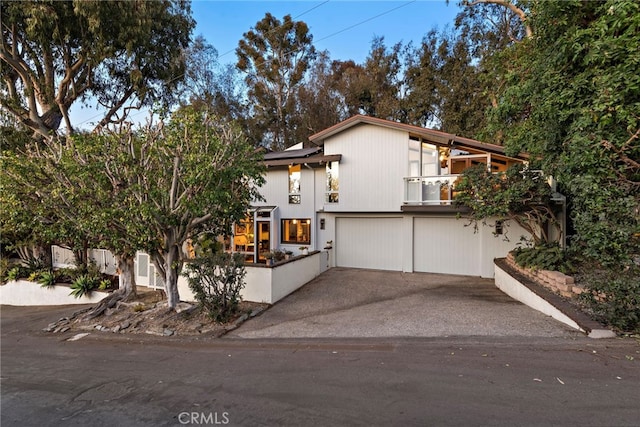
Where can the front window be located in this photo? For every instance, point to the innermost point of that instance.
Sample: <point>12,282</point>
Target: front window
<point>296,231</point>
<point>294,184</point>
<point>332,182</point>
<point>243,235</point>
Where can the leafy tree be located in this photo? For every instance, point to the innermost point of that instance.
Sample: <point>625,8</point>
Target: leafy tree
<point>519,194</point>
<point>461,90</point>
<point>444,86</point>
<point>574,102</point>
<point>59,53</point>
<point>29,222</point>
<point>209,84</point>
<point>492,29</point>
<point>74,202</point>
<point>148,190</point>
<point>194,173</point>
<point>320,102</point>
<point>373,88</point>
<point>421,81</point>
<point>275,56</point>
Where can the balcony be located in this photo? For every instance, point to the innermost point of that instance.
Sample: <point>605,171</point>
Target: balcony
<point>429,190</point>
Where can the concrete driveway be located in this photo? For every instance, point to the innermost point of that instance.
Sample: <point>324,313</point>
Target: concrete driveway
<point>344,302</point>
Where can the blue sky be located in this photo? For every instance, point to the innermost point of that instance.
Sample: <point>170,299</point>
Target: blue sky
<point>344,28</point>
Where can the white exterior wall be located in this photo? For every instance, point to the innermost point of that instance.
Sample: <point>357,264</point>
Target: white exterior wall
<point>269,285</point>
<point>276,193</point>
<point>275,190</point>
<point>373,165</point>
<point>25,293</point>
<point>425,243</point>
<point>498,246</point>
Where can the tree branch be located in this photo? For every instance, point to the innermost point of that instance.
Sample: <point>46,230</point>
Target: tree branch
<point>512,7</point>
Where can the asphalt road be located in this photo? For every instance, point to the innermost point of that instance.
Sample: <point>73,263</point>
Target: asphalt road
<point>118,380</point>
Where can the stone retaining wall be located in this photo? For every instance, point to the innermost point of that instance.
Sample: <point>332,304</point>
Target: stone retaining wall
<point>555,281</point>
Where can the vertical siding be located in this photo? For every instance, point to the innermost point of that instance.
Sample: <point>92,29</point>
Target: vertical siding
<point>276,193</point>
<point>373,164</point>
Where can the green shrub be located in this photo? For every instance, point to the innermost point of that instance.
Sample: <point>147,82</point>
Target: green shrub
<point>216,281</point>
<point>104,284</point>
<point>16,273</point>
<point>4,268</point>
<point>35,264</point>
<point>66,275</point>
<point>83,285</point>
<point>47,279</point>
<point>614,297</point>
<point>543,257</point>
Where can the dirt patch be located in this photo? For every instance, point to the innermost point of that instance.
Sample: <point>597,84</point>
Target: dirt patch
<point>148,314</point>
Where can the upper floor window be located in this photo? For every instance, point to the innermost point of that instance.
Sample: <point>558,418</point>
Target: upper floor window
<point>294,184</point>
<point>423,159</point>
<point>333,183</point>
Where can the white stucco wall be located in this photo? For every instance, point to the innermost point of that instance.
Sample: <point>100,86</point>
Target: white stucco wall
<point>519,292</point>
<point>269,285</point>
<point>25,293</point>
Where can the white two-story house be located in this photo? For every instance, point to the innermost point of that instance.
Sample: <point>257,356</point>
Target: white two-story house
<point>379,193</point>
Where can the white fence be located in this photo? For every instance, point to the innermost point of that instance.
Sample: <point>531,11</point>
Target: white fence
<point>64,258</point>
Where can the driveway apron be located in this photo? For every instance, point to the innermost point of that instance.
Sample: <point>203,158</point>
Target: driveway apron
<point>346,302</point>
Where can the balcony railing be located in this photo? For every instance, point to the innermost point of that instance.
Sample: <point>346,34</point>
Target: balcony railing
<point>429,190</point>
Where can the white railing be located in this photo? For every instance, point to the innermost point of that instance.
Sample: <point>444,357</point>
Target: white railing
<point>429,190</point>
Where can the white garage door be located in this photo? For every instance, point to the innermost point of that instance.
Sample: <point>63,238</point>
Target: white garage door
<point>369,243</point>
<point>445,245</point>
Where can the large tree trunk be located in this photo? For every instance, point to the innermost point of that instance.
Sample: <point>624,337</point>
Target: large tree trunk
<point>126,290</point>
<point>37,251</point>
<point>127,277</point>
<point>172,268</point>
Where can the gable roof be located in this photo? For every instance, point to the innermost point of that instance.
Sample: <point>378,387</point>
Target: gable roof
<point>435,136</point>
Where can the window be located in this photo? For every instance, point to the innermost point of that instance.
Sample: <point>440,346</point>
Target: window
<point>423,159</point>
<point>296,231</point>
<point>331,195</point>
<point>294,184</point>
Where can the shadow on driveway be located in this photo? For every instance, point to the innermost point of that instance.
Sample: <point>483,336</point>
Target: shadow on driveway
<point>345,302</point>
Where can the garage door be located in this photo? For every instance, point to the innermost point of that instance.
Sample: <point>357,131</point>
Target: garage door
<point>369,243</point>
<point>445,245</point>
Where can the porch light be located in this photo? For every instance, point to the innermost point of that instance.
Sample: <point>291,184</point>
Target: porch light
<point>308,221</point>
<point>295,221</point>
